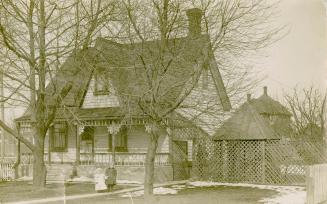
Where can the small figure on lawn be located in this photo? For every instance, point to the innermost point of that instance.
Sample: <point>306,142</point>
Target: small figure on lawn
<point>110,175</point>
<point>100,180</point>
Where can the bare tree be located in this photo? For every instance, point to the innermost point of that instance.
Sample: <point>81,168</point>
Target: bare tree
<point>238,29</point>
<point>308,107</point>
<point>234,28</point>
<point>40,34</point>
<point>37,36</point>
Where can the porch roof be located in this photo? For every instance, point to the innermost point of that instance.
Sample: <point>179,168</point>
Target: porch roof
<point>100,113</point>
<point>83,114</point>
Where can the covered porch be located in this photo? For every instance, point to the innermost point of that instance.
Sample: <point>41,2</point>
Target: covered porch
<point>99,143</point>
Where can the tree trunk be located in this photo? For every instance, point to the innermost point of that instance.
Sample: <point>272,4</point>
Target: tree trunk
<point>39,168</point>
<point>149,165</point>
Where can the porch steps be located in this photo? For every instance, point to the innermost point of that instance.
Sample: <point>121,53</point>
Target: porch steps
<point>58,172</point>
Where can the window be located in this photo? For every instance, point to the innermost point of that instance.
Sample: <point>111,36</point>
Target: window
<point>120,140</point>
<point>59,137</point>
<point>101,86</point>
<point>87,134</point>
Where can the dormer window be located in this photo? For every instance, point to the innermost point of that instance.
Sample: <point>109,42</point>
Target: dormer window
<point>101,83</point>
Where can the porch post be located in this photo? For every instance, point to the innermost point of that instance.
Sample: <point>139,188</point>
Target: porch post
<point>49,144</point>
<point>79,130</point>
<point>113,148</point>
<point>17,162</point>
<point>170,143</point>
<point>93,151</point>
<point>113,129</point>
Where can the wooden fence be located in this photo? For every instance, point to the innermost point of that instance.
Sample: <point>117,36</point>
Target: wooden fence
<point>6,171</point>
<point>316,176</point>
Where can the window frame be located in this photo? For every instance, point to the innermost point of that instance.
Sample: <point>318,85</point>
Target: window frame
<point>122,133</point>
<point>53,135</point>
<point>97,91</point>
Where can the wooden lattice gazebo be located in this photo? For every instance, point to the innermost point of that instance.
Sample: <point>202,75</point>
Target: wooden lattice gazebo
<point>252,146</point>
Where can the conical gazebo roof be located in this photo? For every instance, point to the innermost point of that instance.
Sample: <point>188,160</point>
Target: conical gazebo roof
<point>246,124</point>
<point>249,121</point>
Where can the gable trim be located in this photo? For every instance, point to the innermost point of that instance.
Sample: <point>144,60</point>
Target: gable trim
<point>219,84</point>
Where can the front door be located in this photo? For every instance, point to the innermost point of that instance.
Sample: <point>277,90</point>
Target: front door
<point>87,145</point>
<point>181,169</point>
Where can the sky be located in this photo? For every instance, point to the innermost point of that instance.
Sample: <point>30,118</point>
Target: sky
<point>300,58</point>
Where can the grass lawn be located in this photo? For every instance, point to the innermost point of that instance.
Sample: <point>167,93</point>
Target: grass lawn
<point>23,190</point>
<point>198,195</point>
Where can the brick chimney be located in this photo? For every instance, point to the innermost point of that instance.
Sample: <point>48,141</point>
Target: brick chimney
<point>194,21</point>
<point>265,91</point>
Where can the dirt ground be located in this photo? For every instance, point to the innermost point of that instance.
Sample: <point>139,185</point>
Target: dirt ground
<point>23,190</point>
<point>199,195</point>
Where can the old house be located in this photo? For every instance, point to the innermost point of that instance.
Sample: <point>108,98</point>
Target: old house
<point>99,123</point>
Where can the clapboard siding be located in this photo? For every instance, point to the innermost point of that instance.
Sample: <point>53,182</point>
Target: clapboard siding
<point>203,105</point>
<point>138,140</point>
<point>101,139</point>
<point>100,101</point>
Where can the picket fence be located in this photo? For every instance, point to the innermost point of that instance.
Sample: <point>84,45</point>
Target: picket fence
<point>6,171</point>
<point>316,184</point>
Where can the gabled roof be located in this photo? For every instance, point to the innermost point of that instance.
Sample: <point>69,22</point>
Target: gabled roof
<point>77,69</point>
<point>245,124</point>
<point>125,62</point>
<point>124,65</point>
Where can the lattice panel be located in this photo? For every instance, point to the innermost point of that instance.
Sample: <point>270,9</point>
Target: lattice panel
<point>228,161</point>
<point>244,161</point>
<point>265,161</point>
<point>283,164</point>
<point>200,160</point>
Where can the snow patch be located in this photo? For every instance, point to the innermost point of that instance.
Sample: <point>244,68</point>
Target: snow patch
<point>25,178</point>
<point>81,179</point>
<point>128,182</point>
<point>178,187</point>
<point>285,195</point>
<point>156,191</point>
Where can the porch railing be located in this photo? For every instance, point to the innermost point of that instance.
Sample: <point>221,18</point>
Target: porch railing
<point>27,158</point>
<point>123,159</point>
<point>6,170</point>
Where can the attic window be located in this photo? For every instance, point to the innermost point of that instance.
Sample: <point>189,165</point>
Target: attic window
<point>101,86</point>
